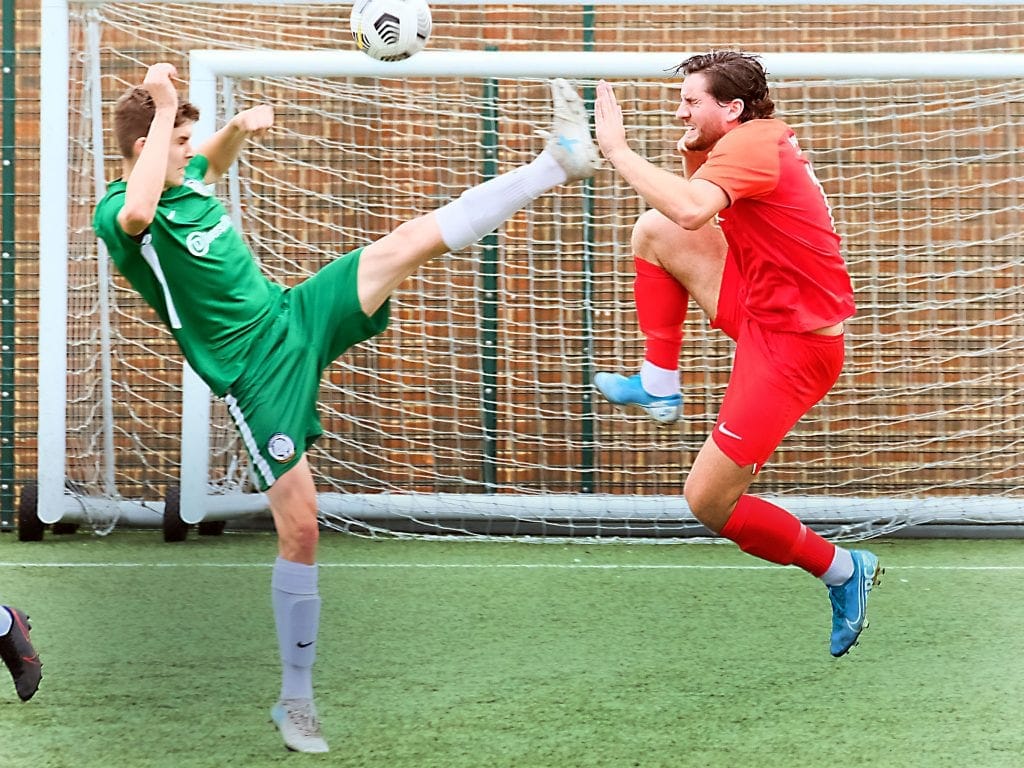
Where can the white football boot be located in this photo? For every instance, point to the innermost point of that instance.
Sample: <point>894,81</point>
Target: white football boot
<point>569,140</point>
<point>299,726</point>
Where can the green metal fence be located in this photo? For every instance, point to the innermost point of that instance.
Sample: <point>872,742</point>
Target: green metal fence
<point>7,254</point>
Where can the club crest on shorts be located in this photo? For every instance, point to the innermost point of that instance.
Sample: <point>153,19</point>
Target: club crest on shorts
<point>280,447</point>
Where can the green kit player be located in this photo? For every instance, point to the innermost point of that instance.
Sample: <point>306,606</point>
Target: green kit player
<point>263,347</point>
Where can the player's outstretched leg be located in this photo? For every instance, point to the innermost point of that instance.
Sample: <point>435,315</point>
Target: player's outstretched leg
<point>629,391</point>
<point>570,154</point>
<point>569,140</point>
<point>20,657</point>
<point>850,601</point>
<point>299,725</point>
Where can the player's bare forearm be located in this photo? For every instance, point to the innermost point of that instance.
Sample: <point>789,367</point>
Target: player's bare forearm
<point>221,149</point>
<point>686,203</point>
<point>689,204</point>
<point>145,183</point>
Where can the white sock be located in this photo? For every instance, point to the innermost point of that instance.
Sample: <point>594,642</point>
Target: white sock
<point>659,382</point>
<point>6,620</point>
<point>841,569</point>
<point>296,600</point>
<point>481,209</point>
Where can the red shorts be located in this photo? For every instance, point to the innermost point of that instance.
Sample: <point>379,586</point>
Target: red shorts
<point>776,378</point>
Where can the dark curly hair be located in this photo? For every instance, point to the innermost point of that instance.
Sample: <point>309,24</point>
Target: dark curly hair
<point>133,114</point>
<point>733,75</point>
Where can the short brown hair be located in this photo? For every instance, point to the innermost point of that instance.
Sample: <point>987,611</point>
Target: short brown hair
<point>134,113</point>
<point>734,75</point>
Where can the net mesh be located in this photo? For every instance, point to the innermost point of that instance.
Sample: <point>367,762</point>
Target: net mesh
<point>481,386</point>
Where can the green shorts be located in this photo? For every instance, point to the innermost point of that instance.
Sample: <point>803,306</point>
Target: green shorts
<point>274,403</point>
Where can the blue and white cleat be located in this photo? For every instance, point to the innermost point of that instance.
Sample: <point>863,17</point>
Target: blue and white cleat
<point>621,390</point>
<point>850,602</point>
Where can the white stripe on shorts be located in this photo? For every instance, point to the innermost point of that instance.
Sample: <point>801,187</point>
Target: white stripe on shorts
<point>250,442</point>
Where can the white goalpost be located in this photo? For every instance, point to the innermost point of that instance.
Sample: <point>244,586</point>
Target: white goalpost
<point>473,413</point>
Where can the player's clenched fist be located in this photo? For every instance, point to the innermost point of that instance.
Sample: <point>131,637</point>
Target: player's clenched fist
<point>255,120</point>
<point>159,85</point>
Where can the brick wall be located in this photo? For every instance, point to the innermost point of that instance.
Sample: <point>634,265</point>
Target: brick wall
<point>807,28</point>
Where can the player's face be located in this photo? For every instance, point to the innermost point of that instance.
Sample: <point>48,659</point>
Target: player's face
<point>705,118</point>
<point>179,155</point>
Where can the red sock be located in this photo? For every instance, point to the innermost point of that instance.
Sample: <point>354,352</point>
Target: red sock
<point>661,303</point>
<point>771,533</point>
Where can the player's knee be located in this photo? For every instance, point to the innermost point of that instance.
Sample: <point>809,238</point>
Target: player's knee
<point>694,497</point>
<point>298,529</point>
<point>649,233</point>
<point>415,241</point>
<point>307,530</point>
<point>704,503</point>
<point>404,237</point>
<point>659,240</point>
<point>399,245</point>
<point>300,537</point>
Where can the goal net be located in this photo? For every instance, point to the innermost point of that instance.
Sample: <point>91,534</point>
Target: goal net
<point>474,412</point>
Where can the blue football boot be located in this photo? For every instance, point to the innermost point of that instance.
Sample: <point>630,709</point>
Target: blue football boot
<point>850,602</point>
<point>622,390</point>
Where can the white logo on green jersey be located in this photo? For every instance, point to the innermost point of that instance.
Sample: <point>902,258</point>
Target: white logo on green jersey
<point>206,190</point>
<point>198,243</point>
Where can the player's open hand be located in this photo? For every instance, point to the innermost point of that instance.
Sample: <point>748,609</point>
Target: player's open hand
<point>160,86</point>
<point>255,121</point>
<point>611,133</point>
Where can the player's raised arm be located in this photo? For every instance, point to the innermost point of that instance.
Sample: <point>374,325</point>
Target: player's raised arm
<point>690,204</point>
<point>221,149</point>
<point>146,180</point>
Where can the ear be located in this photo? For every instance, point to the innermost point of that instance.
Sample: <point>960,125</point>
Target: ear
<point>137,146</point>
<point>736,107</point>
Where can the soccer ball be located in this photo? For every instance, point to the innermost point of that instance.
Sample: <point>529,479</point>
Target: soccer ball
<point>390,30</point>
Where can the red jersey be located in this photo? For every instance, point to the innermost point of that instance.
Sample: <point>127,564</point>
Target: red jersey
<point>779,229</point>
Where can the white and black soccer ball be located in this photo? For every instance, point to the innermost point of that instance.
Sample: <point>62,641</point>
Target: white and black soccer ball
<point>390,30</point>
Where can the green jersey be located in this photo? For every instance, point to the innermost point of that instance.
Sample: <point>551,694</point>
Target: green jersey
<point>192,266</point>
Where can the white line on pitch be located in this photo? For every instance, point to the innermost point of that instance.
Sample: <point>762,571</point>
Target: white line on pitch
<point>525,566</point>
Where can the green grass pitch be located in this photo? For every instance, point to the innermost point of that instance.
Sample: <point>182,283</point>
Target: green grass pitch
<point>479,655</point>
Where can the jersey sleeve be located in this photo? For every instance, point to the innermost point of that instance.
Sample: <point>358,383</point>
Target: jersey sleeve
<point>197,167</point>
<point>105,223</point>
<point>744,163</point>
